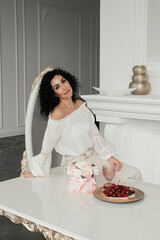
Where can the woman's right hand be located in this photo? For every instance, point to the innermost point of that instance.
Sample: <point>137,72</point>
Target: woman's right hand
<point>114,161</point>
<point>27,175</point>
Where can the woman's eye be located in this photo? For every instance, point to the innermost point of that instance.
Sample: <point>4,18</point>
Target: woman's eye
<point>63,80</point>
<point>57,87</point>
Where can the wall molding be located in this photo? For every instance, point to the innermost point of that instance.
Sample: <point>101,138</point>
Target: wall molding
<point>93,58</point>
<point>19,124</point>
<point>91,53</point>
<point>14,132</point>
<point>96,51</point>
<point>16,61</point>
<point>153,71</point>
<point>80,46</point>
<point>24,59</point>
<point>78,23</point>
<point>39,38</point>
<point>140,28</point>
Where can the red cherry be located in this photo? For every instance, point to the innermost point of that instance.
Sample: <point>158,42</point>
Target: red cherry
<point>107,195</point>
<point>117,190</point>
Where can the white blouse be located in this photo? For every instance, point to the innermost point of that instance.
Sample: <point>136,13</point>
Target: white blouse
<point>72,135</point>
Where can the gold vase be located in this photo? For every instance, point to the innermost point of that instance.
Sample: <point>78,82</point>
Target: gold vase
<point>140,80</point>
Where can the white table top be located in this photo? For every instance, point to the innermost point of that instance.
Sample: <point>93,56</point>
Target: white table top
<point>47,201</point>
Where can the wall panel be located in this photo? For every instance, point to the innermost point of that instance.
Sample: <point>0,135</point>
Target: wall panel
<point>35,34</point>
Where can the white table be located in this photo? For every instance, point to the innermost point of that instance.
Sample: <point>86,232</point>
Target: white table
<point>47,202</point>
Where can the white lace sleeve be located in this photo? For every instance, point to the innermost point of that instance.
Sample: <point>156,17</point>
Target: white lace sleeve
<point>41,162</point>
<point>98,142</point>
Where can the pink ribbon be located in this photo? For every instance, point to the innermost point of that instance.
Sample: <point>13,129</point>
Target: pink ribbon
<point>84,181</point>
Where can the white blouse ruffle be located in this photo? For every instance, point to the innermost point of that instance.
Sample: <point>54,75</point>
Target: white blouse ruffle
<point>72,135</point>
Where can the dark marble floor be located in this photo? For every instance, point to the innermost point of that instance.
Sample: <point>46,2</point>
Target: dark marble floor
<point>11,150</point>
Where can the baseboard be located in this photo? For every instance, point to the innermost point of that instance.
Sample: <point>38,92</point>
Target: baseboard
<point>10,133</point>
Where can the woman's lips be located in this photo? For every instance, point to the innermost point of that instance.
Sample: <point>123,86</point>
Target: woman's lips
<point>67,92</point>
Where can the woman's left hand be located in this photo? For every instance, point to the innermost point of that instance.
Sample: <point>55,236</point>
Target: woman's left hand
<point>114,161</point>
<point>27,175</point>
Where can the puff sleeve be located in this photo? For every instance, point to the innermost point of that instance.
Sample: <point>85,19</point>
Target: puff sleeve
<point>98,142</point>
<point>41,163</point>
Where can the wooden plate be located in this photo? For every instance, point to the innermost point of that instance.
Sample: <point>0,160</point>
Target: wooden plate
<point>138,196</point>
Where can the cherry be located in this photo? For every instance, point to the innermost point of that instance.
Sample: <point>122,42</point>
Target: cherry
<point>117,191</point>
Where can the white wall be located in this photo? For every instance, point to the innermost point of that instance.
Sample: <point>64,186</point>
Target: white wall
<point>116,43</point>
<point>12,81</point>
<point>129,35</point>
<point>34,36</point>
<point>153,33</point>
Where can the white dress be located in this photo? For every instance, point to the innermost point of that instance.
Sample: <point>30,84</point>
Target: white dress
<point>72,135</point>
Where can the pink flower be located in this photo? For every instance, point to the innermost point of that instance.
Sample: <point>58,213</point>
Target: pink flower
<point>72,167</point>
<point>87,172</point>
<point>82,169</point>
<point>82,164</point>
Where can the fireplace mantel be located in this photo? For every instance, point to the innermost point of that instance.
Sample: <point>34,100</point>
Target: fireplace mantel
<point>131,128</point>
<point>131,106</point>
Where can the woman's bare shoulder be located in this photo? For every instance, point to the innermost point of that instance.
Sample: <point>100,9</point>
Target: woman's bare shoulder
<point>57,113</point>
<point>79,102</point>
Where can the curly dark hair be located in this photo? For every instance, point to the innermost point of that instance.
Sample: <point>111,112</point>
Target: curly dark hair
<point>46,96</point>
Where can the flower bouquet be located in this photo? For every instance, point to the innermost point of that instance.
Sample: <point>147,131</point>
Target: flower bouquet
<point>82,176</point>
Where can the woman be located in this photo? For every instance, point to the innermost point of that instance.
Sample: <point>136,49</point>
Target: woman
<point>71,129</point>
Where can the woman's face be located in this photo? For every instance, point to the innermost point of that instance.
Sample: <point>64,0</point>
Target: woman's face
<point>61,87</point>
